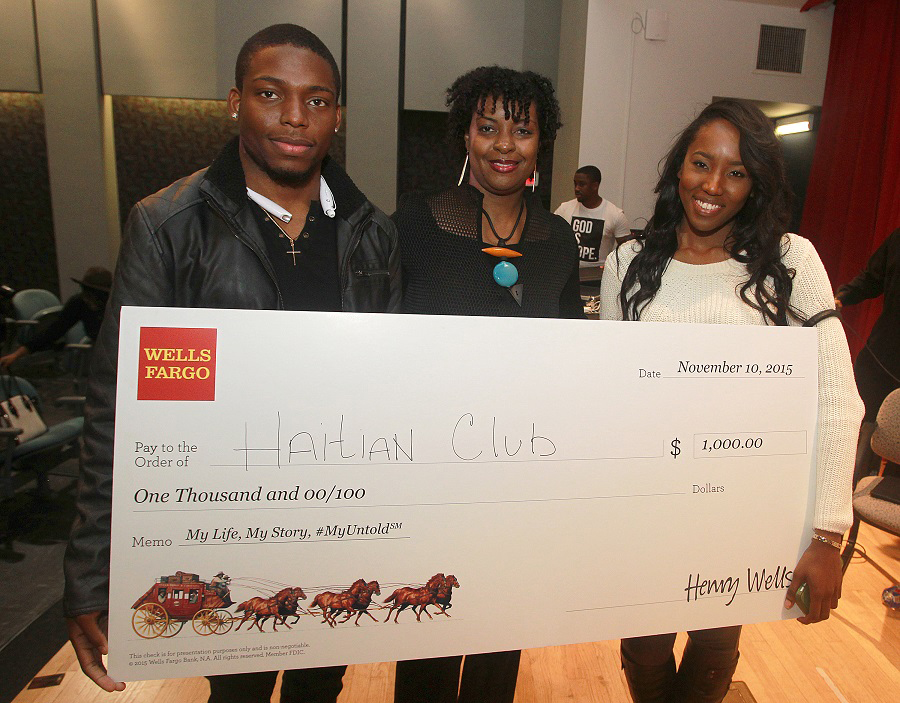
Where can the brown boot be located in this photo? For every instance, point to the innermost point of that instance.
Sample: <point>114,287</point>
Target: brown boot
<point>650,683</point>
<point>704,674</point>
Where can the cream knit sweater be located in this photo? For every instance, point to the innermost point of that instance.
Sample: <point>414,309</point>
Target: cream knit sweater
<point>708,294</point>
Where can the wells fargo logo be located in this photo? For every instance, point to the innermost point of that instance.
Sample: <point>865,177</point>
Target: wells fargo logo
<point>177,363</point>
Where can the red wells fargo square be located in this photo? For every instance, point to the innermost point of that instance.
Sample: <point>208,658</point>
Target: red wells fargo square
<point>177,363</point>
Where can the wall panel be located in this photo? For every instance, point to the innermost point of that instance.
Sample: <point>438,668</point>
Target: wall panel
<point>446,39</point>
<point>373,71</point>
<point>26,221</point>
<point>237,20</point>
<point>171,48</point>
<point>163,48</point>
<point>18,50</point>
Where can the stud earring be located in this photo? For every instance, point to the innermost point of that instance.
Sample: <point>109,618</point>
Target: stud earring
<point>234,115</point>
<point>463,174</point>
<point>335,130</point>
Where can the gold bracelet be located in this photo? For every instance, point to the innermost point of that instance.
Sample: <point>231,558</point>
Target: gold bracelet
<point>833,543</point>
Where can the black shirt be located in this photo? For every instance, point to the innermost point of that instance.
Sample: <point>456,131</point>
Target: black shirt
<point>309,278</point>
<point>445,271</point>
<point>881,276</point>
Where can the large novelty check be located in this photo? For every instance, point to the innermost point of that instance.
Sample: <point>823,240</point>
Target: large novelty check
<point>305,489</point>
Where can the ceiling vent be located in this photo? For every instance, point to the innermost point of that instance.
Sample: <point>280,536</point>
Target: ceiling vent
<point>780,49</point>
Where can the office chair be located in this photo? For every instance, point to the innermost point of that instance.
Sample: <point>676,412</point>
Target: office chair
<point>871,509</point>
<point>42,453</point>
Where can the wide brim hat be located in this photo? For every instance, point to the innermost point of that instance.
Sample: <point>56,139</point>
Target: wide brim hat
<point>96,278</point>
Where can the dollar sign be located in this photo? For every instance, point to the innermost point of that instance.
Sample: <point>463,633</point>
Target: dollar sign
<point>676,443</point>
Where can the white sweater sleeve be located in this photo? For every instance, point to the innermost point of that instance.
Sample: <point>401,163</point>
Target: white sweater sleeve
<point>611,283</point>
<point>840,407</point>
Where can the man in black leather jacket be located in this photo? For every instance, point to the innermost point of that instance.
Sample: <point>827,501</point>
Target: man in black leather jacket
<point>219,239</point>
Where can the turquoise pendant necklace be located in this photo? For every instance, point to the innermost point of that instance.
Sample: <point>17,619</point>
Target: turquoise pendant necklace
<point>505,273</point>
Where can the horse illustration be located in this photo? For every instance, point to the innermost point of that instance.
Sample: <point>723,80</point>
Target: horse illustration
<point>408,597</point>
<point>363,593</point>
<point>331,602</point>
<point>357,597</point>
<point>279,606</point>
<point>442,596</point>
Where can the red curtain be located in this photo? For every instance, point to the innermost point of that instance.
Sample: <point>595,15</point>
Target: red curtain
<point>853,197</point>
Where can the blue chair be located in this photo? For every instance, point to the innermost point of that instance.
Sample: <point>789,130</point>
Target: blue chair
<point>33,307</point>
<point>42,453</point>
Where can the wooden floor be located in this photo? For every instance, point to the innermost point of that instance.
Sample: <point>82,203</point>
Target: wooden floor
<point>853,657</point>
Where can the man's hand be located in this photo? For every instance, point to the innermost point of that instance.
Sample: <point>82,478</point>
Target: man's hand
<point>88,636</point>
<point>820,569</point>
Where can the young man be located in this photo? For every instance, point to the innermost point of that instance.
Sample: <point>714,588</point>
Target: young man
<point>597,223</point>
<point>272,224</point>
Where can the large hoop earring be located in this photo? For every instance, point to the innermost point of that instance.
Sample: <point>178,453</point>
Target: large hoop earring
<point>534,180</point>
<point>463,174</point>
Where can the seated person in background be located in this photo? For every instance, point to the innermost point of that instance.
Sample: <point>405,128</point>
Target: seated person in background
<point>86,307</point>
<point>597,223</point>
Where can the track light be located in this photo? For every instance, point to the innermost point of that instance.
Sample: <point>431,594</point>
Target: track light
<point>793,124</point>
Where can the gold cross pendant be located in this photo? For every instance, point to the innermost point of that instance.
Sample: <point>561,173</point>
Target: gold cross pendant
<point>293,252</point>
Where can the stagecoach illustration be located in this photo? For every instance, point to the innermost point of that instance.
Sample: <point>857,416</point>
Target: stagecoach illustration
<point>174,600</point>
<point>183,597</point>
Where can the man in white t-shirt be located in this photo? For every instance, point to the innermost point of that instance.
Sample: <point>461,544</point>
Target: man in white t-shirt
<point>597,223</point>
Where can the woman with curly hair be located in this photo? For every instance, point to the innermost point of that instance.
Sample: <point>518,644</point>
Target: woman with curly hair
<point>715,251</point>
<point>486,247</point>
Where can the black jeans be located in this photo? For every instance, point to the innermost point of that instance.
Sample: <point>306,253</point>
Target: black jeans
<point>321,685</point>
<point>486,678</point>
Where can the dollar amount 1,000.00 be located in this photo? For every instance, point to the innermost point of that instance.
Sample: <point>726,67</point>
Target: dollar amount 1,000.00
<point>736,443</point>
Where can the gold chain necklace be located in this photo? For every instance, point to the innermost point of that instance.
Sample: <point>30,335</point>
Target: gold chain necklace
<point>293,240</point>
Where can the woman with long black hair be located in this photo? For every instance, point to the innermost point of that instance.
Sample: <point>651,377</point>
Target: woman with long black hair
<point>715,251</point>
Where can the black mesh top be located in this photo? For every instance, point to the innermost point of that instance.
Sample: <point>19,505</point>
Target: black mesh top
<point>446,273</point>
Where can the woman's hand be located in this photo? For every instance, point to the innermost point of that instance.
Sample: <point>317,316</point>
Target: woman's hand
<point>88,636</point>
<point>820,569</point>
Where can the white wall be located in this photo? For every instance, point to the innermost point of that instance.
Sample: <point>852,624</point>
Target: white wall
<point>18,52</point>
<point>639,94</point>
<point>172,48</point>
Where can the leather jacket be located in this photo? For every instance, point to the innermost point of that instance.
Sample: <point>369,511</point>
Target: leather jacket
<point>197,244</point>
